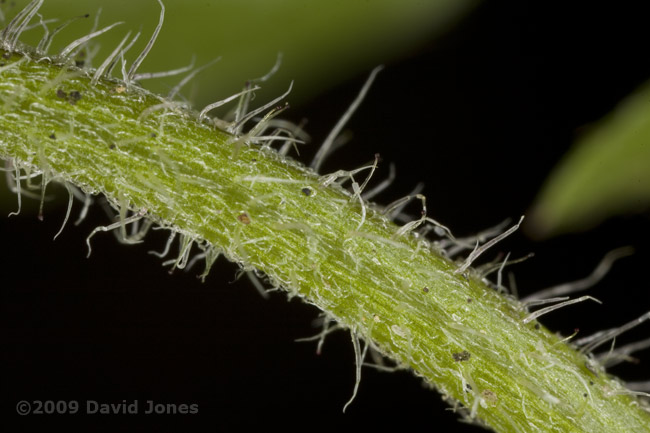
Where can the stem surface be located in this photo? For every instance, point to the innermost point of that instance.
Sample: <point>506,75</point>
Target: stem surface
<point>311,237</point>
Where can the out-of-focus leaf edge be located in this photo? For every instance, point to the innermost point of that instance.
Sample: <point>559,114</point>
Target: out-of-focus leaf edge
<point>606,173</point>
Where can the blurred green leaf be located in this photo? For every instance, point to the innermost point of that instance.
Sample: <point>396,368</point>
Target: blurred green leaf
<point>606,173</point>
<point>323,42</point>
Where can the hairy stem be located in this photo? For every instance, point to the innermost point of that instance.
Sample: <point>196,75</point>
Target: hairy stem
<point>231,195</point>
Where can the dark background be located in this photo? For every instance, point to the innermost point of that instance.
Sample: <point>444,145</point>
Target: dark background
<point>480,116</point>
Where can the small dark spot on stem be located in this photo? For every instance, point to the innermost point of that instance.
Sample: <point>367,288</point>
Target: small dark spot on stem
<point>537,326</point>
<point>74,97</point>
<point>111,146</point>
<point>591,382</point>
<point>306,191</point>
<point>585,395</point>
<point>53,136</point>
<point>254,160</point>
<point>425,289</point>
<point>462,356</point>
<point>244,218</point>
<point>79,63</point>
<point>469,300</point>
<point>468,386</point>
<point>154,135</point>
<point>71,97</point>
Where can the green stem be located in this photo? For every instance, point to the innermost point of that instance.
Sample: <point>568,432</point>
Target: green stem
<point>310,237</point>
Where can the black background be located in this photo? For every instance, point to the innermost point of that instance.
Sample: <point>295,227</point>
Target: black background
<point>480,116</point>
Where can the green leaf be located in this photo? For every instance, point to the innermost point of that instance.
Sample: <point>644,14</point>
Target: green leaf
<point>606,173</point>
<point>323,42</point>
